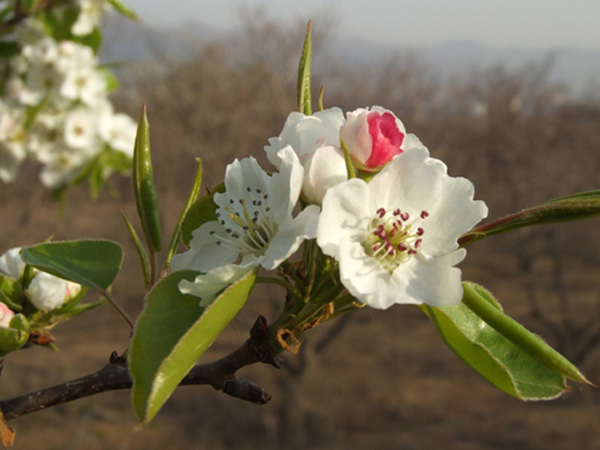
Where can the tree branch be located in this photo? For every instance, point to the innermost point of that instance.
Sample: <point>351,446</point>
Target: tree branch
<point>219,374</point>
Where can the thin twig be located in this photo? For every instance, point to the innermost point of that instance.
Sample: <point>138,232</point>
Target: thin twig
<point>219,374</point>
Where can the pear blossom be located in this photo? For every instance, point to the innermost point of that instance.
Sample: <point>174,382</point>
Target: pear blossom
<point>118,131</point>
<point>316,141</point>
<point>373,137</point>
<point>395,238</point>
<point>254,225</point>
<point>6,315</point>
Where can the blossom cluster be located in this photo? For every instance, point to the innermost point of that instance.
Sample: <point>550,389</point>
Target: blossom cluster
<point>55,108</point>
<point>45,292</point>
<point>387,213</point>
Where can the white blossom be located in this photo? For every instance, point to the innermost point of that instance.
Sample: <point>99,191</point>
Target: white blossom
<point>395,238</point>
<point>255,226</point>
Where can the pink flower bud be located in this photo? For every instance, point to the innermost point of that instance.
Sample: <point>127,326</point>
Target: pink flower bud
<point>373,137</point>
<point>6,315</point>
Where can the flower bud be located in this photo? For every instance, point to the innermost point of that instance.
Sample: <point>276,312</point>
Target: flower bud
<point>373,137</point>
<point>6,315</point>
<point>324,167</point>
<point>46,292</point>
<point>303,133</point>
<point>11,263</point>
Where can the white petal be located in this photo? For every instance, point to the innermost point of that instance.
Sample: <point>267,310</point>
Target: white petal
<point>207,286</point>
<point>325,168</point>
<point>290,236</point>
<point>204,253</point>
<point>346,208</point>
<point>11,263</point>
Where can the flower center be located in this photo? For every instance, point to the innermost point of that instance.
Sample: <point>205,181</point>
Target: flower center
<point>247,223</point>
<point>392,237</point>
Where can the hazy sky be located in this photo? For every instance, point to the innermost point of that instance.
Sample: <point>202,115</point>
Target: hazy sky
<point>522,23</point>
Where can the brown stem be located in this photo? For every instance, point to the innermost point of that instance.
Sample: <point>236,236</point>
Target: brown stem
<point>219,374</point>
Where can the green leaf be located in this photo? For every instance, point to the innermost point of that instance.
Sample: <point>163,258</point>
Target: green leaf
<point>505,361</point>
<point>202,210</point>
<point>171,334</point>
<point>143,185</point>
<point>9,49</point>
<point>477,299</point>
<point>582,205</point>
<point>10,293</point>
<point>493,356</point>
<point>92,40</point>
<point>176,237</point>
<point>140,249</point>
<point>123,9</point>
<point>91,263</point>
<point>303,90</point>
<point>112,82</point>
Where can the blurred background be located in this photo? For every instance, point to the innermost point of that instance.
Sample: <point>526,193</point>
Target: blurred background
<point>508,95</point>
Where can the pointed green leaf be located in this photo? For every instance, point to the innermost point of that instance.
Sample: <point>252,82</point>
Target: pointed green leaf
<point>123,9</point>
<point>176,237</point>
<point>171,334</point>
<point>303,93</point>
<point>91,263</point>
<point>143,185</point>
<point>202,210</point>
<point>476,298</point>
<point>493,356</point>
<point>140,249</point>
<point>582,205</point>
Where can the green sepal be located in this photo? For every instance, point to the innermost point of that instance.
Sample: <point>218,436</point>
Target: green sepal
<point>145,263</point>
<point>91,263</point>
<point>303,87</point>
<point>202,210</point>
<point>579,206</point>
<point>10,293</point>
<point>143,185</point>
<point>176,237</point>
<point>171,334</point>
<point>15,336</point>
<point>349,165</point>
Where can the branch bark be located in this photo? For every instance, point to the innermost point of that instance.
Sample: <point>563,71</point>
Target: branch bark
<point>220,374</point>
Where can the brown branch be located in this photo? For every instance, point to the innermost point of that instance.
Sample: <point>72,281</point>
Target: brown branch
<point>219,374</point>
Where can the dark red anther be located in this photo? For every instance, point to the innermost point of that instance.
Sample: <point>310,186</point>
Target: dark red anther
<point>420,231</point>
<point>397,212</point>
<point>401,247</point>
<point>418,242</point>
<point>381,213</point>
<point>404,216</point>
<point>412,252</point>
<point>424,214</point>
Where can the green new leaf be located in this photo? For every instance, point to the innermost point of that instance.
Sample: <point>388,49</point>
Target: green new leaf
<point>171,334</point>
<point>582,205</point>
<point>143,185</point>
<point>476,298</point>
<point>91,263</point>
<point>176,237</point>
<point>123,9</point>
<point>202,210</point>
<point>303,89</point>
<point>140,249</point>
<point>493,356</point>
